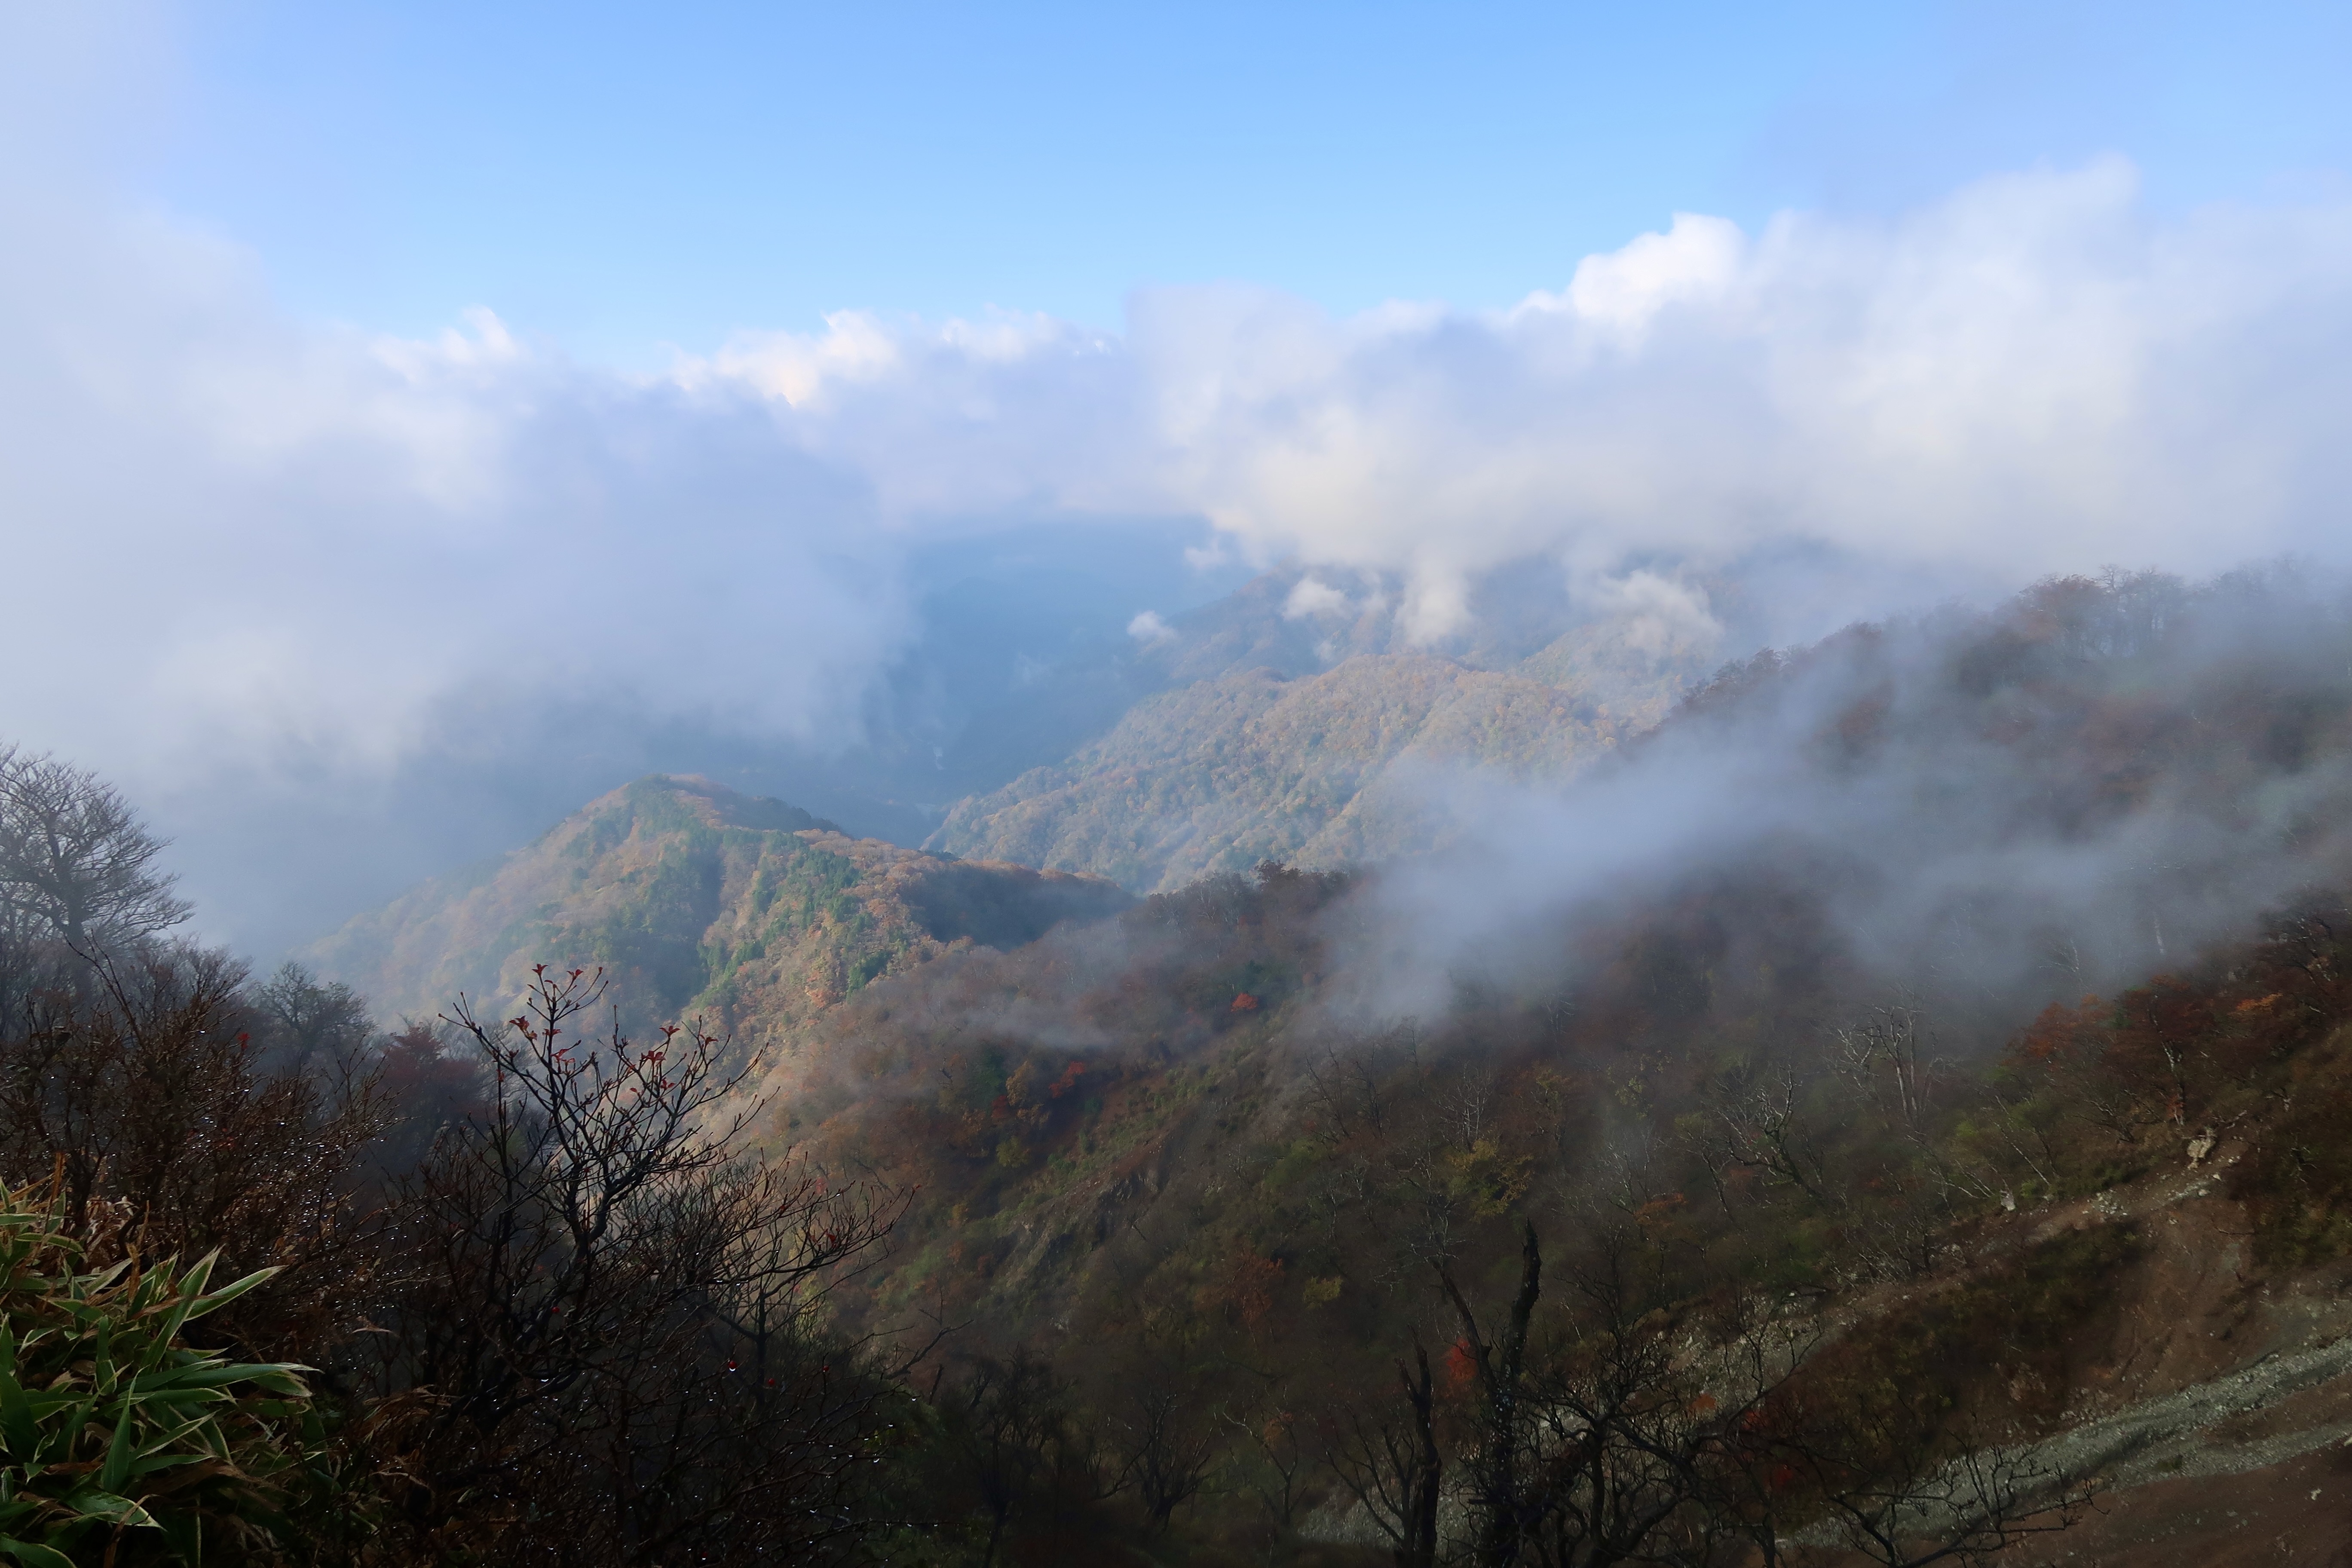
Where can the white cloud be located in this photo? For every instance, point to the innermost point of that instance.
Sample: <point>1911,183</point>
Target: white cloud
<point>235,534</point>
<point>1310,596</point>
<point>1659,615</point>
<point>232,533</point>
<point>2033,375</point>
<point>797,367</point>
<point>1150,630</point>
<point>2030,376</point>
<point>1697,262</point>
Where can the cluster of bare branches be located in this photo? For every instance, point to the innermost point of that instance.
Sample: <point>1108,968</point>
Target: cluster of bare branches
<point>77,866</point>
<point>1635,1423</point>
<point>610,1343</point>
<point>137,1077</point>
<point>565,1314</point>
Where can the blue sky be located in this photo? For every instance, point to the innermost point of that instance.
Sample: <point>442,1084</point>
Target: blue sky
<point>616,178</point>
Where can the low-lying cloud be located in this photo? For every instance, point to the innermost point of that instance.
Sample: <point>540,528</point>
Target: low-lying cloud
<point>260,568</point>
<point>246,546</point>
<point>2089,786</point>
<point>238,529</point>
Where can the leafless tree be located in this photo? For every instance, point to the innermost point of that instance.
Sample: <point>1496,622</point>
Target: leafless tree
<point>1758,1125</point>
<point>1646,1425</point>
<point>309,1023</point>
<point>1886,1477</point>
<point>1277,1462</point>
<point>1013,1425</point>
<point>1170,1445</point>
<point>136,1079</point>
<point>610,1347</point>
<point>1498,1478</point>
<point>1886,1055</point>
<point>1389,1460</point>
<point>76,863</point>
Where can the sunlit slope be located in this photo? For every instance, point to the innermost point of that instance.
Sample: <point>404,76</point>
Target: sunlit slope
<point>1332,769</point>
<point>696,901</point>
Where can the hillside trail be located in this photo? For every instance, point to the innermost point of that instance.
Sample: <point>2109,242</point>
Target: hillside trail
<point>2218,1416</point>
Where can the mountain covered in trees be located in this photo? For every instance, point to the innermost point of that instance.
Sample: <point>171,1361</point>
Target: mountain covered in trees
<point>1763,1219</point>
<point>1895,1111</point>
<point>695,900</point>
<point>1305,726</point>
<point>1319,771</point>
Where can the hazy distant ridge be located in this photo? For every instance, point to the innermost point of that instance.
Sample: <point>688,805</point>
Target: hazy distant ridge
<point>1328,769</point>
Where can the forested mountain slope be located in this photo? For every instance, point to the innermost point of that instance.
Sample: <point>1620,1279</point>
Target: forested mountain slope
<point>1893,1104</point>
<point>2105,1250</point>
<point>1300,722</point>
<point>1338,768</point>
<point>698,901</point>
<point>1249,766</point>
<point>1913,1229</point>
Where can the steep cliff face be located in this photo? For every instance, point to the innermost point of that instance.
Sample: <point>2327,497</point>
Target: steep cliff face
<point>696,901</point>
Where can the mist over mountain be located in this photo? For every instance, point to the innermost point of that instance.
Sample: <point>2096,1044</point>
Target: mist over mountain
<point>1912,1067</point>
<point>2033,800</point>
<point>1903,971</point>
<point>1415,786</point>
<point>1294,719</point>
<point>353,572</point>
<point>1021,654</point>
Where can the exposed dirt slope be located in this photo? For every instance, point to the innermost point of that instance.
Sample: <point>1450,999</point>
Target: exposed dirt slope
<point>2218,1413</point>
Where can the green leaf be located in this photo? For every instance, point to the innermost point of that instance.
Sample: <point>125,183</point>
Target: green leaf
<point>193,1282</point>
<point>17,1428</point>
<point>114,1509</point>
<point>102,1406</point>
<point>33,1555</point>
<point>175,1399</point>
<point>118,1453</point>
<point>227,1293</point>
<point>156,1442</point>
<point>276,1377</point>
<point>185,1531</point>
<point>56,1443</point>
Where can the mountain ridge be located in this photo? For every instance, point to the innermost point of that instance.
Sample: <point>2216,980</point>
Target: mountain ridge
<point>695,900</point>
<point>1335,768</point>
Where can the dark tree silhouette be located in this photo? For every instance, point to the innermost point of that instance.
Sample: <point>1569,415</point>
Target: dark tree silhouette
<point>76,863</point>
<point>610,1349</point>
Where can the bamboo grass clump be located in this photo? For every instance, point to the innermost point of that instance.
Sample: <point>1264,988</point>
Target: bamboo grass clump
<point>119,1443</point>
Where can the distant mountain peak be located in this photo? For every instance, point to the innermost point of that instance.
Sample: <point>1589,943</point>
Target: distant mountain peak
<point>1317,770</point>
<point>696,901</point>
<point>713,804</point>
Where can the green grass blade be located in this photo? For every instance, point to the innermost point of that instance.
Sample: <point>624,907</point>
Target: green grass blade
<point>117,1468</point>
